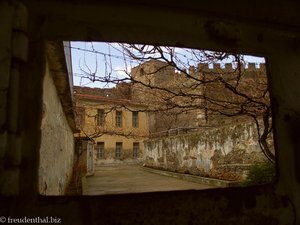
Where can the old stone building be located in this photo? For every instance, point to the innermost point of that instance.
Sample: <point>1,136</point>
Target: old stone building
<point>198,125</point>
<point>150,80</point>
<point>113,121</point>
<point>199,97</point>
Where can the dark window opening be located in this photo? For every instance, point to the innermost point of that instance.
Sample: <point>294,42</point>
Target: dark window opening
<point>135,119</point>
<point>100,150</point>
<point>100,117</point>
<point>136,147</point>
<point>119,150</point>
<point>118,119</point>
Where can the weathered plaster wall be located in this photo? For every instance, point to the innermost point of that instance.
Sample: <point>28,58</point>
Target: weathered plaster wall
<point>110,148</point>
<point>90,100</point>
<point>224,152</point>
<point>91,128</point>
<point>57,143</point>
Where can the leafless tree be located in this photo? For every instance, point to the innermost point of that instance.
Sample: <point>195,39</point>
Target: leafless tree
<point>218,93</point>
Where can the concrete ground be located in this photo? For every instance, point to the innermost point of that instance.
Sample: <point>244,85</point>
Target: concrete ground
<point>133,179</point>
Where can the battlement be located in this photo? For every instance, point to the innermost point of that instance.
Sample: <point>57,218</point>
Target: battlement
<point>204,67</point>
<point>251,68</point>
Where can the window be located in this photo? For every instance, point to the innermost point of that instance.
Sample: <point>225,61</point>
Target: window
<point>119,150</point>
<point>100,117</point>
<point>136,148</point>
<point>100,150</point>
<point>118,119</point>
<point>135,119</point>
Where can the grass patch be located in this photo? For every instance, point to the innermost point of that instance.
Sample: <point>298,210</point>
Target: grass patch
<point>261,173</point>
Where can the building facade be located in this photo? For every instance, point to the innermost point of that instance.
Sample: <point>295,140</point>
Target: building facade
<point>225,111</point>
<point>116,124</point>
<point>200,96</point>
<point>157,83</point>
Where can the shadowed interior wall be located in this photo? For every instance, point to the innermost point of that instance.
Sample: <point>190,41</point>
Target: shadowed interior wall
<point>57,143</point>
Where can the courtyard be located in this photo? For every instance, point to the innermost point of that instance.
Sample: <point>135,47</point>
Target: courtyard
<point>121,179</point>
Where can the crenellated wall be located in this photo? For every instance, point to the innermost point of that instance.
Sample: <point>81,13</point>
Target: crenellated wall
<point>161,71</point>
<point>197,90</point>
<point>229,67</point>
<point>225,152</point>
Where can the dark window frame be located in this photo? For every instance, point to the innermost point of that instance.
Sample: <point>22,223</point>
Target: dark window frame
<point>100,117</point>
<point>135,119</point>
<point>119,150</point>
<point>135,149</point>
<point>100,150</point>
<point>119,118</point>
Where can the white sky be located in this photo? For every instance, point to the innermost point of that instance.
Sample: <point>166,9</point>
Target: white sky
<point>84,62</point>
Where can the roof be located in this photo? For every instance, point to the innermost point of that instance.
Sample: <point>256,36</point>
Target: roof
<point>107,96</point>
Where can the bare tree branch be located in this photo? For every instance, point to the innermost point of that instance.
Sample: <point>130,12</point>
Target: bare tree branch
<point>177,87</point>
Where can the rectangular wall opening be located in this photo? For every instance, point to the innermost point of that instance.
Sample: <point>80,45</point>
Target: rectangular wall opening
<point>158,118</point>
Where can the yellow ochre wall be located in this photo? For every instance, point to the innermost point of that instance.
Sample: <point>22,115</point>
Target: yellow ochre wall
<point>110,134</point>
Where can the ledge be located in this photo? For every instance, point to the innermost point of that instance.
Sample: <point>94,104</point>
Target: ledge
<point>193,178</point>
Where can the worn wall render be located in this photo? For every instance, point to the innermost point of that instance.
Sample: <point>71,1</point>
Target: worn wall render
<point>57,143</point>
<point>225,152</point>
<point>110,100</point>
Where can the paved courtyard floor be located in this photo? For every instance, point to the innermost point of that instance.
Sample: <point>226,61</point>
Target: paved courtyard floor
<point>133,179</point>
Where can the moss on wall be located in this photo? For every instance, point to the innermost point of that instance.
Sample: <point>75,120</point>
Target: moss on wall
<point>225,152</point>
